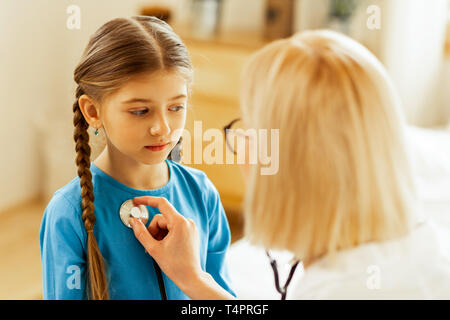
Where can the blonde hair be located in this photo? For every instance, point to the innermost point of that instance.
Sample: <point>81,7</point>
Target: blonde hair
<point>343,176</point>
<point>120,49</point>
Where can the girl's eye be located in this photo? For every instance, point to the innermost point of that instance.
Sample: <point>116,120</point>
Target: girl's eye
<point>139,112</point>
<point>177,108</point>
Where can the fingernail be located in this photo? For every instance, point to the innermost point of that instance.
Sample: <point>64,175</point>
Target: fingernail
<point>132,222</point>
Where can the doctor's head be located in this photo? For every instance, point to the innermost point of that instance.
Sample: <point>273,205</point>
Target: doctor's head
<point>133,82</point>
<point>343,175</point>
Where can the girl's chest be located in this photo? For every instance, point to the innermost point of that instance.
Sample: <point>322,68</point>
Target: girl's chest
<point>117,241</point>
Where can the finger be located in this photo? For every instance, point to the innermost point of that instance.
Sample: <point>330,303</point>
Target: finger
<point>153,227</point>
<point>161,221</point>
<point>164,206</point>
<point>145,238</point>
<point>163,227</point>
<point>158,227</point>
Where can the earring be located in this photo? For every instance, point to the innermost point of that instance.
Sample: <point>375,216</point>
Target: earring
<point>177,151</point>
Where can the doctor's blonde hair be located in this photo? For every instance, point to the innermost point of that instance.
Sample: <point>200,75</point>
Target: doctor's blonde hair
<point>120,49</point>
<point>343,176</point>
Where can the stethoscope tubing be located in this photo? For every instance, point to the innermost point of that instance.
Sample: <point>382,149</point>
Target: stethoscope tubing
<point>162,288</point>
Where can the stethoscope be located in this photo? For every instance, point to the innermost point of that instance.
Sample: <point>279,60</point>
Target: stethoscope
<point>128,210</point>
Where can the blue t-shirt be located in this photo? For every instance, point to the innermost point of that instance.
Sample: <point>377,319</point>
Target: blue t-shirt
<point>129,269</point>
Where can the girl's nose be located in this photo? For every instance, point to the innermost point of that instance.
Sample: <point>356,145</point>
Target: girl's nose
<point>160,128</point>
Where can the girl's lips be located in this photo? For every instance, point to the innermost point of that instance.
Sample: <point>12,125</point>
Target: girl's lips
<point>157,147</point>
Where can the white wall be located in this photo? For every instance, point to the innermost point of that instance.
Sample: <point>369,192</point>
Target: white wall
<point>248,15</point>
<point>410,45</point>
<point>445,92</point>
<point>414,32</point>
<point>27,87</point>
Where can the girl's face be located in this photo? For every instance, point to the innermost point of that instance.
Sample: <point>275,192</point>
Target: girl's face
<point>145,118</point>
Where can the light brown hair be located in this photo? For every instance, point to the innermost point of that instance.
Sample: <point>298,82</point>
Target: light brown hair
<point>118,50</point>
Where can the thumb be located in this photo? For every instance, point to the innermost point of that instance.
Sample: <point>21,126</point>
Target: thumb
<point>144,236</point>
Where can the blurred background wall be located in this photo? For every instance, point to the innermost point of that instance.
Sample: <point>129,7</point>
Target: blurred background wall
<point>39,52</point>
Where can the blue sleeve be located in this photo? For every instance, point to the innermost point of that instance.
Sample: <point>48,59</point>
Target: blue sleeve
<point>62,242</point>
<point>219,241</point>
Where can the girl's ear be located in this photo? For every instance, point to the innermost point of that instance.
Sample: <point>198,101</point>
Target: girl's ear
<point>90,110</point>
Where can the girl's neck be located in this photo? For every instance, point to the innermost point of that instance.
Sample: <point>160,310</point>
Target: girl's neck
<point>133,174</point>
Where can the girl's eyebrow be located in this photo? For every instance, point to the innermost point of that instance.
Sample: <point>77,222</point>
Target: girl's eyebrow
<point>133,100</point>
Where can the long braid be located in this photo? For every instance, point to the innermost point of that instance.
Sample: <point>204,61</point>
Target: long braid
<point>96,274</point>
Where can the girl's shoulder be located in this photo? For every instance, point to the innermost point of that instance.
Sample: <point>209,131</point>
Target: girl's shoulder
<point>66,200</point>
<point>186,170</point>
<point>196,182</point>
<point>62,215</point>
<point>195,178</point>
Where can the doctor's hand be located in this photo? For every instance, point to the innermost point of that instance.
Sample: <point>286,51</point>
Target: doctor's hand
<point>173,241</point>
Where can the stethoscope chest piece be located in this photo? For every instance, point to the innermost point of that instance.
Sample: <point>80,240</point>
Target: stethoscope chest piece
<point>128,210</point>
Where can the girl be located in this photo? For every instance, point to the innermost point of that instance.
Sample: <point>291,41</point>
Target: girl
<point>133,82</point>
<point>343,198</point>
